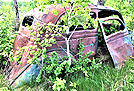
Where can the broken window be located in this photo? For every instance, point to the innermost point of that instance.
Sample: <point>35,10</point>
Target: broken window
<point>112,26</point>
<point>28,20</point>
<point>79,27</point>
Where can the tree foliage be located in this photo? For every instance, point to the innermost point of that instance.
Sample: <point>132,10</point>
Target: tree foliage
<point>7,28</point>
<point>126,8</point>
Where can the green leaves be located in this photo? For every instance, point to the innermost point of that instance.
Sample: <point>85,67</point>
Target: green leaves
<point>59,84</point>
<point>125,8</point>
<point>7,21</point>
<point>4,89</point>
<point>54,11</point>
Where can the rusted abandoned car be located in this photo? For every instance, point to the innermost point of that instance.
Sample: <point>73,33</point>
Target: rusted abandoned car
<point>119,44</point>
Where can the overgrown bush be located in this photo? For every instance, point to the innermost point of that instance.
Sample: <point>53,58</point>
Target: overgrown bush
<point>125,7</point>
<point>6,31</point>
<point>7,28</point>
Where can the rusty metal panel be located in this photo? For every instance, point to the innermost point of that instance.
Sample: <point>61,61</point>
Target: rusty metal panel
<point>119,44</point>
<point>88,37</point>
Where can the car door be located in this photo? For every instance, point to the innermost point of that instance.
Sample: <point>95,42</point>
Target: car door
<point>119,44</point>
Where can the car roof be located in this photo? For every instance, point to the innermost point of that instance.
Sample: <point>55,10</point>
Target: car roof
<point>101,11</point>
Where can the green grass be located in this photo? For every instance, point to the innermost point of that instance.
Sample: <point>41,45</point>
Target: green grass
<point>105,78</point>
<point>4,83</point>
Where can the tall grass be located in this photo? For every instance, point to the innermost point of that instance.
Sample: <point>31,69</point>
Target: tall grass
<point>4,83</point>
<point>105,78</point>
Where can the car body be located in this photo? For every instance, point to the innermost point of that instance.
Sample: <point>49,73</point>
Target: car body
<point>118,41</point>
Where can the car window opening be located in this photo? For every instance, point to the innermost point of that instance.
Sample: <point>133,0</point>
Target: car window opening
<point>79,27</point>
<point>111,27</point>
<point>28,20</point>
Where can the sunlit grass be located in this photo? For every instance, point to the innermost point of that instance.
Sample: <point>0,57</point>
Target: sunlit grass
<point>105,78</point>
